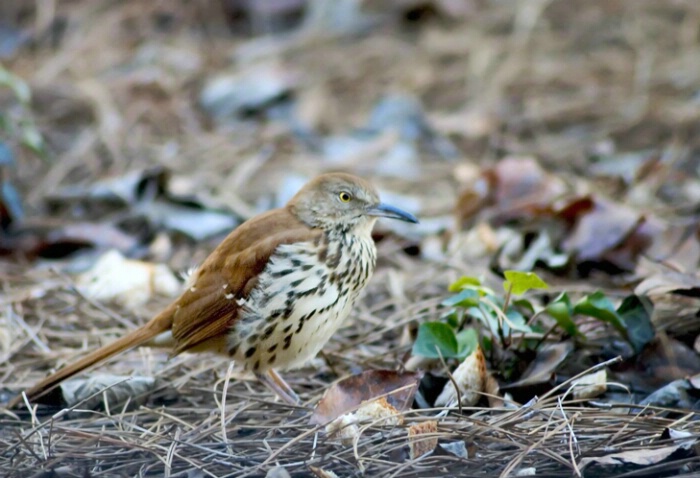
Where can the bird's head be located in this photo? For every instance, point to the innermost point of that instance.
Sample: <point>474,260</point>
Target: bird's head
<point>339,201</point>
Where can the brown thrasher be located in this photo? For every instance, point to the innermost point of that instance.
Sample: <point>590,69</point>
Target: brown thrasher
<point>274,291</point>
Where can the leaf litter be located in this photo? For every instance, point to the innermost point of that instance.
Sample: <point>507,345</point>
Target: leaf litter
<point>553,136</point>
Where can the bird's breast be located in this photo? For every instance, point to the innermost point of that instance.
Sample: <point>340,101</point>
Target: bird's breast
<point>303,295</point>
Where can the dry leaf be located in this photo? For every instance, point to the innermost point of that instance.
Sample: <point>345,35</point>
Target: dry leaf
<point>694,381</point>
<point>127,282</point>
<point>378,412</point>
<point>278,472</point>
<point>493,392</point>
<point>456,448</point>
<point>661,362</point>
<point>666,281</point>
<point>607,231</point>
<point>642,457</point>
<point>470,376</point>
<point>349,393</point>
<point>591,385</point>
<point>422,438</point>
<point>379,409</point>
<point>321,473</point>
<point>344,429</point>
<point>548,359</point>
<point>114,390</point>
<point>515,187</point>
<point>248,90</point>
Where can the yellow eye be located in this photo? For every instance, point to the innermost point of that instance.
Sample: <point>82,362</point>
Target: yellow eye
<point>344,197</point>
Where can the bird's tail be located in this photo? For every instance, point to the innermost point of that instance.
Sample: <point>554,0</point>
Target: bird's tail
<point>159,324</point>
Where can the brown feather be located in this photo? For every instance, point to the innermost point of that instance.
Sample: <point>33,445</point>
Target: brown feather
<point>204,312</point>
<point>159,324</point>
<point>201,317</point>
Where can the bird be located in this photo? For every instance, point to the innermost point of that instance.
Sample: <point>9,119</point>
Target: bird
<point>273,292</point>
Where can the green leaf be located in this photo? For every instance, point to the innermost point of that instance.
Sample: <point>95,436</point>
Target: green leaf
<point>520,282</point>
<point>18,86</point>
<point>452,319</point>
<point>466,298</point>
<point>524,304</point>
<point>562,311</point>
<point>486,344</point>
<point>32,139</point>
<point>597,305</point>
<point>635,313</point>
<point>434,336</point>
<point>486,316</point>
<point>467,340</point>
<point>517,323</point>
<point>464,282</point>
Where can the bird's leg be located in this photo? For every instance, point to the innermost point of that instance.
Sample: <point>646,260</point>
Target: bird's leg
<point>279,386</point>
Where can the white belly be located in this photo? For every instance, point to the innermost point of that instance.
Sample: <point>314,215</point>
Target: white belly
<point>276,330</point>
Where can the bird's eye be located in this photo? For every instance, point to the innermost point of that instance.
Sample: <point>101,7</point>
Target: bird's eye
<point>344,196</point>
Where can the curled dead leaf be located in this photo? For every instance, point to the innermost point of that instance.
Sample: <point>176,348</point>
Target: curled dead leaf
<point>349,393</point>
<point>470,377</point>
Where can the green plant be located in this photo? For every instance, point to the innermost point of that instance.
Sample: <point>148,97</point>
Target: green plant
<point>18,121</point>
<point>504,316</point>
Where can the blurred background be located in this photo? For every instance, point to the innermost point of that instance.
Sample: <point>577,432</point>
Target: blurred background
<point>217,110</point>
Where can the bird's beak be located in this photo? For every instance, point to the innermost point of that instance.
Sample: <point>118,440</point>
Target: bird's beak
<point>386,210</point>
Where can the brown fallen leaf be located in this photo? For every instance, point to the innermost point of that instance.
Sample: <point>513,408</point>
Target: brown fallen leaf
<point>602,227</point>
<point>493,392</point>
<point>677,247</point>
<point>540,370</point>
<point>347,394</point>
<point>515,187</point>
<point>604,231</point>
<point>422,438</point>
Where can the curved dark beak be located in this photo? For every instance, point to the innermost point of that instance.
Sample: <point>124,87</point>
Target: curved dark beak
<point>386,210</point>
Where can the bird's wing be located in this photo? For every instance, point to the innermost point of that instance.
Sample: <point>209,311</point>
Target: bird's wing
<point>205,312</point>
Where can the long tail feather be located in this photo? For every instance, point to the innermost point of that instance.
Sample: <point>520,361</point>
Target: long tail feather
<point>140,336</point>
